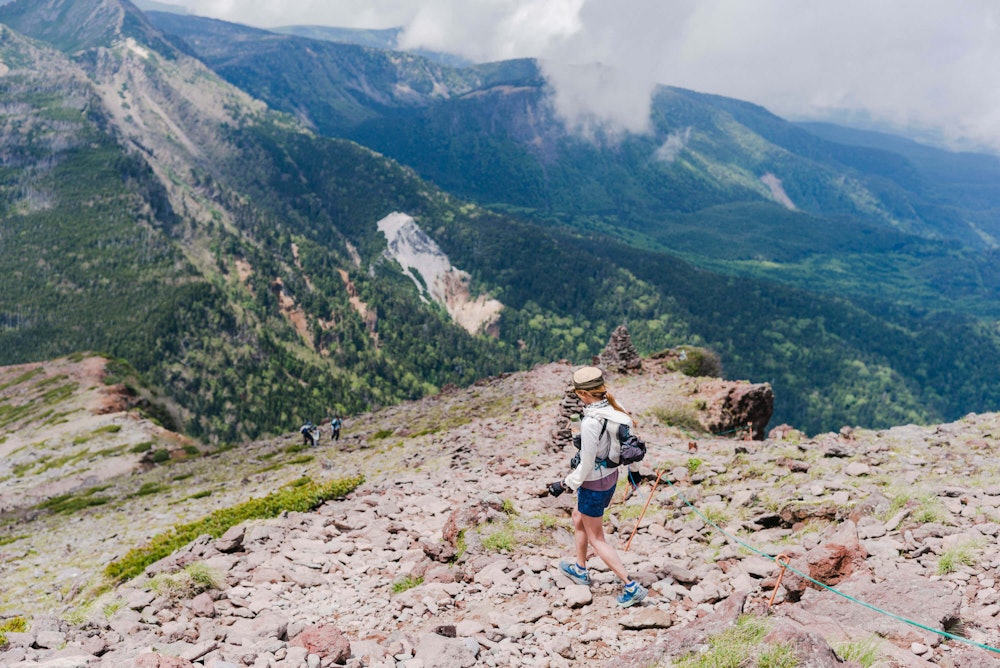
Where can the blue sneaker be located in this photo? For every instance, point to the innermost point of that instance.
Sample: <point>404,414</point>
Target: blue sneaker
<point>634,592</point>
<point>575,573</point>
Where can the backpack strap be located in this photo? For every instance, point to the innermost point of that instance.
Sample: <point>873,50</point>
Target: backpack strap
<point>606,462</point>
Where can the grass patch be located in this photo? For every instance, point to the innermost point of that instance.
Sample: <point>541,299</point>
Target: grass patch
<point>12,625</point>
<point>23,378</point>
<point>140,448</point>
<point>107,429</point>
<point>59,418</point>
<point>682,416</point>
<point>504,536</point>
<point>304,459</point>
<point>59,394</point>
<point>300,496</point>
<point>58,462</point>
<point>865,651</point>
<point>740,646</point>
<point>408,582</point>
<point>963,554</point>
<point>926,508</point>
<point>150,488</point>
<point>381,434</point>
<point>67,504</point>
<point>500,540</point>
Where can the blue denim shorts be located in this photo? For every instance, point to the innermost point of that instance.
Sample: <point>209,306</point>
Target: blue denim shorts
<point>592,503</point>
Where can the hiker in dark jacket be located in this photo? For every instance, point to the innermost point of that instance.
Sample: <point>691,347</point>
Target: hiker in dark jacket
<point>309,435</point>
<point>594,482</point>
<point>335,428</point>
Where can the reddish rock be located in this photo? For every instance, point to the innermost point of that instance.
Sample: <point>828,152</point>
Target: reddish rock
<point>734,406</point>
<point>326,641</point>
<point>838,558</point>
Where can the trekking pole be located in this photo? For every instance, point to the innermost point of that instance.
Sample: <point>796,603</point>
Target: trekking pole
<point>659,474</point>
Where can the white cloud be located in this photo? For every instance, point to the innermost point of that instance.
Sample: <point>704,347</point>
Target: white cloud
<point>917,63</point>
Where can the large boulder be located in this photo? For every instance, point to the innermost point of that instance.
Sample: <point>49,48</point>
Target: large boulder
<point>735,406</point>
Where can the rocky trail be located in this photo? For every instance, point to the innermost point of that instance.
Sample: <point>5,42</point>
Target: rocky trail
<point>447,555</point>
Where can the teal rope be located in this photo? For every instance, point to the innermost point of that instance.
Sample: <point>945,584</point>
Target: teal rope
<point>828,588</point>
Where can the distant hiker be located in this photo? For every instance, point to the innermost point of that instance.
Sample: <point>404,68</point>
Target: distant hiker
<point>335,428</point>
<point>310,436</point>
<point>595,483</point>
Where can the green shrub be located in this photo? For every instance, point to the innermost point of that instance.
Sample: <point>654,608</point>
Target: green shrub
<point>12,625</point>
<point>500,540</point>
<point>692,361</point>
<point>193,580</point>
<point>139,448</point>
<point>159,456</point>
<point>299,496</point>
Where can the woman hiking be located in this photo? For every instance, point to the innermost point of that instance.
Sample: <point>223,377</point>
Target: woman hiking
<point>595,482</point>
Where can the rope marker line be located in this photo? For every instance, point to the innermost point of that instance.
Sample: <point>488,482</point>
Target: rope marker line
<point>787,566</point>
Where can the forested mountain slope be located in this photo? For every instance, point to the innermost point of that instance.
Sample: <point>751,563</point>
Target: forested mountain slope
<point>728,184</point>
<point>156,213</point>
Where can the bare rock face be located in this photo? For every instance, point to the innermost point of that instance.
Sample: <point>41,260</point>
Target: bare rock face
<point>735,406</point>
<point>938,605</point>
<point>620,355</point>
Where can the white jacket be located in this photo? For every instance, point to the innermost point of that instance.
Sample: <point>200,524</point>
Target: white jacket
<point>595,446</point>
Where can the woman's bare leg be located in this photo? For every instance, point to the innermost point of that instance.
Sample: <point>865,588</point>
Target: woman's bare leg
<point>594,535</point>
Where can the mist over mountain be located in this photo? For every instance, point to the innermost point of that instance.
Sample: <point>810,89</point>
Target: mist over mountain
<point>203,201</point>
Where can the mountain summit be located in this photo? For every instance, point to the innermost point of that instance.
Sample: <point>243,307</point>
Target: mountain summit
<point>74,26</point>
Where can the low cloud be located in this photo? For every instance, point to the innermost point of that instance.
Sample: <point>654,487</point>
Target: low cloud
<point>915,64</point>
<point>674,144</point>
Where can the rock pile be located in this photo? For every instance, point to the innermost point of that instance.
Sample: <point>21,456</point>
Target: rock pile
<point>620,355</point>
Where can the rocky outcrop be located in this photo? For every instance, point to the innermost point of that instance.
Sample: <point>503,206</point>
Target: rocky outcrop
<point>735,407</point>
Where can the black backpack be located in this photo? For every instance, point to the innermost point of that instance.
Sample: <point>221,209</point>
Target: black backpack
<point>632,448</point>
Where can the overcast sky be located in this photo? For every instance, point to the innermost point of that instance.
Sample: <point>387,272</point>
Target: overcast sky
<point>926,64</point>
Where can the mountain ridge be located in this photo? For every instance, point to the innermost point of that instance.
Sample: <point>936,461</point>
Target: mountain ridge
<point>452,527</point>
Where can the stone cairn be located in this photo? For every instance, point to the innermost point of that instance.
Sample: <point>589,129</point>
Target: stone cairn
<point>620,355</point>
<point>570,408</point>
